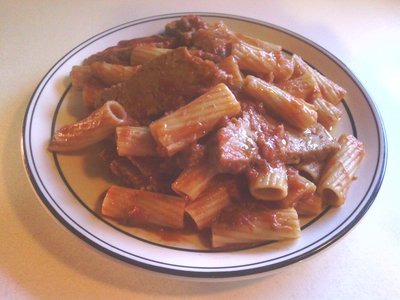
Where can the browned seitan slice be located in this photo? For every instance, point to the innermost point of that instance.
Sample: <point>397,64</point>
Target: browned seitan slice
<point>164,84</point>
<point>247,141</point>
<point>314,143</point>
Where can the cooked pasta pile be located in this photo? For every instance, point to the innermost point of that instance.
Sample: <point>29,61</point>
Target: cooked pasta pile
<point>202,125</point>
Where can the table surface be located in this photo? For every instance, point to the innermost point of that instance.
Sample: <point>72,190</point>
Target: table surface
<point>41,260</point>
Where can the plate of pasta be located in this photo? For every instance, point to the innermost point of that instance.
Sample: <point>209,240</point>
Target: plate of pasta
<point>204,145</point>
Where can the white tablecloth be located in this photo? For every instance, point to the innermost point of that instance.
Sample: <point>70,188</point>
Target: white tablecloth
<point>41,260</point>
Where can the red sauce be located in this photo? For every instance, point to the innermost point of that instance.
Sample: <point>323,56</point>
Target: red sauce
<point>241,147</point>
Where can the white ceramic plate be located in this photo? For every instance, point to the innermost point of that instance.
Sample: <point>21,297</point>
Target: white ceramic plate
<point>70,185</point>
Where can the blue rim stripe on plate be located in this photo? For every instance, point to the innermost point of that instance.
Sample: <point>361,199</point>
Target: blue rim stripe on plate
<point>376,182</point>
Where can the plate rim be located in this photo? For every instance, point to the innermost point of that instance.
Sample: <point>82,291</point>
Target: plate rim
<point>378,178</point>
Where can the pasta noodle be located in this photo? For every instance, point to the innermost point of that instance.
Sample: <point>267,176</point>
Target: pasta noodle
<point>90,92</point>
<point>193,180</point>
<point>205,209</point>
<point>143,207</point>
<point>214,131</point>
<point>328,114</point>
<point>340,170</point>
<point>330,90</point>
<point>309,206</point>
<point>135,141</point>
<point>80,75</point>
<point>246,226</point>
<point>298,188</point>
<point>265,45</point>
<point>97,126</point>
<point>111,74</point>
<point>295,111</point>
<point>311,170</point>
<point>230,66</point>
<point>194,120</point>
<point>270,184</point>
<point>143,54</point>
<point>254,59</point>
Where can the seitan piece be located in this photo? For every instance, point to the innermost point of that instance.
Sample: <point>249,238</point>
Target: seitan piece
<point>247,141</point>
<point>164,84</point>
<point>314,143</point>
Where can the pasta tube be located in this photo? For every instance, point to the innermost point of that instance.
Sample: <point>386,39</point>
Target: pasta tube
<point>177,130</point>
<point>80,75</point>
<point>253,59</point>
<point>269,184</point>
<point>231,67</point>
<point>97,126</point>
<point>311,170</point>
<point>111,74</point>
<point>143,54</point>
<point>328,114</point>
<point>208,205</point>
<point>237,226</point>
<point>135,141</point>
<point>340,170</point>
<point>91,90</point>
<point>294,111</point>
<point>309,206</point>
<point>143,207</point>
<point>266,46</point>
<point>298,188</point>
<point>304,86</point>
<point>284,67</point>
<point>331,91</point>
<point>193,180</point>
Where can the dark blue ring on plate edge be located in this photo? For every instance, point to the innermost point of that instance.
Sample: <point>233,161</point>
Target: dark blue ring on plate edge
<point>376,114</point>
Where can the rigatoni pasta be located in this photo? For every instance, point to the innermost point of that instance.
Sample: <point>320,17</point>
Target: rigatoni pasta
<point>265,45</point>
<point>143,54</point>
<point>311,169</point>
<point>254,59</point>
<point>206,208</point>
<point>187,124</point>
<point>269,184</point>
<point>194,179</point>
<point>239,225</point>
<point>110,74</point>
<point>135,141</point>
<point>299,188</point>
<point>328,114</point>
<point>309,206</point>
<point>294,111</point>
<point>97,126</point>
<point>331,91</point>
<point>230,66</point>
<point>211,130</point>
<point>340,170</point>
<point>143,207</point>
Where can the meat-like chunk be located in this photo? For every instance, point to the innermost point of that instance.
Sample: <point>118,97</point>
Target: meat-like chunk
<point>184,28</point>
<point>235,146</point>
<point>127,173</point>
<point>164,84</point>
<point>247,141</point>
<point>216,39</point>
<point>159,172</point>
<point>314,143</point>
